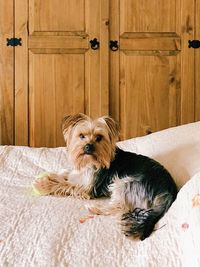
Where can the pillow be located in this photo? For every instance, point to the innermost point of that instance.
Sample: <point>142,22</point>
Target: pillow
<point>176,148</point>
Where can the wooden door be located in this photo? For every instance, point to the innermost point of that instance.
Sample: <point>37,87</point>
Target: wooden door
<point>56,71</point>
<point>152,74</point>
<point>6,74</point>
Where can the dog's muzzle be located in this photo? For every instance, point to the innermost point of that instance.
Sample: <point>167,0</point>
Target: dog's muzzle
<point>89,149</point>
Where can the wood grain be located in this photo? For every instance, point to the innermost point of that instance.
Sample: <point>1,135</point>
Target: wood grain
<point>147,16</point>
<point>6,74</point>
<point>197,62</point>
<point>114,60</point>
<point>151,43</point>
<point>67,15</point>
<point>151,83</point>
<point>53,93</point>
<point>21,74</point>
<point>156,67</point>
<point>61,42</point>
<point>97,70</point>
<point>145,107</point>
<point>64,75</point>
<point>186,30</point>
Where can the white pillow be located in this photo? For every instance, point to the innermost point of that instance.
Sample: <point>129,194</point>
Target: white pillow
<point>177,148</point>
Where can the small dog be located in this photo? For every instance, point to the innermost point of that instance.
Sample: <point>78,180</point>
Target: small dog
<point>140,189</point>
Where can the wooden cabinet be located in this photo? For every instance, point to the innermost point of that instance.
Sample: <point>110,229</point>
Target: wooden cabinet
<point>150,83</point>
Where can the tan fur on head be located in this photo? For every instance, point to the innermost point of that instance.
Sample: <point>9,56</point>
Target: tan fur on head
<point>102,133</point>
<point>69,122</point>
<point>113,128</point>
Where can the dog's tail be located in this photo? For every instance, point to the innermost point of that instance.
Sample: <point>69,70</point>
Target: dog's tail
<point>140,223</point>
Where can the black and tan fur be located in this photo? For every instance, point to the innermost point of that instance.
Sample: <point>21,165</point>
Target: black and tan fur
<point>140,189</point>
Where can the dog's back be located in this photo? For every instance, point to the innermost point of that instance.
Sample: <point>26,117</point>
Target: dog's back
<point>146,190</point>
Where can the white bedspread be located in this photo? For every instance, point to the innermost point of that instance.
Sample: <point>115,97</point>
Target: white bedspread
<point>46,231</point>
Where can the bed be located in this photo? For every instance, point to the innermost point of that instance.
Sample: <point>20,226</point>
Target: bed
<point>40,231</point>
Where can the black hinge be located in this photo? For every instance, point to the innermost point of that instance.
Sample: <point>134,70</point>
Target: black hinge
<point>194,43</point>
<point>14,41</point>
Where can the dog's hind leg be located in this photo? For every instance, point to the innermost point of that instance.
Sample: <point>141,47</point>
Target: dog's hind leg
<point>100,209</point>
<point>117,202</point>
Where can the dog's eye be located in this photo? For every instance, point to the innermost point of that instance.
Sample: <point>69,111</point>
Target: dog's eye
<point>82,136</point>
<point>99,138</point>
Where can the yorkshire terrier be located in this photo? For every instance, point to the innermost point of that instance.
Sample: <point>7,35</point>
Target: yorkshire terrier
<point>141,190</point>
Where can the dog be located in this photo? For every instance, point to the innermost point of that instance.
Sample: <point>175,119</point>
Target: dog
<point>141,190</point>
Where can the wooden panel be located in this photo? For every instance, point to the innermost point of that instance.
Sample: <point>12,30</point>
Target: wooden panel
<point>97,70</point>
<point>114,99</point>
<point>186,29</point>
<point>53,93</point>
<point>148,16</point>
<point>104,56</point>
<point>197,63</point>
<point>150,43</point>
<point>65,15</point>
<point>61,42</point>
<point>21,74</point>
<point>148,93</point>
<point>6,74</point>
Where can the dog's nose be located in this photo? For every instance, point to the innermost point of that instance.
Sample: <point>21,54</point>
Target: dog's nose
<point>89,149</point>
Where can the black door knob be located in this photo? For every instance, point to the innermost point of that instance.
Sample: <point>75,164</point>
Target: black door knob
<point>94,44</point>
<point>114,45</point>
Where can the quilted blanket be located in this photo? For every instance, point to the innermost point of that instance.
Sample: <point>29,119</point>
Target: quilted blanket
<point>41,231</point>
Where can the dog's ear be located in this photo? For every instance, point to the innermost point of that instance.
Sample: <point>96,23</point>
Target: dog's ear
<point>69,122</point>
<point>113,128</point>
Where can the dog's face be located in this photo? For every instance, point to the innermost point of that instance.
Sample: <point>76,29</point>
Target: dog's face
<point>90,142</point>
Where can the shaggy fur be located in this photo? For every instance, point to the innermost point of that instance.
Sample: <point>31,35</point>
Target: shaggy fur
<point>140,189</point>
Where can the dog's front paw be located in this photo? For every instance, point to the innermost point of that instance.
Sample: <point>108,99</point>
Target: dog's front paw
<point>46,183</point>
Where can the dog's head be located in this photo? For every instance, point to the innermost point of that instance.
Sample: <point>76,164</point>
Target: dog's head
<point>90,142</point>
